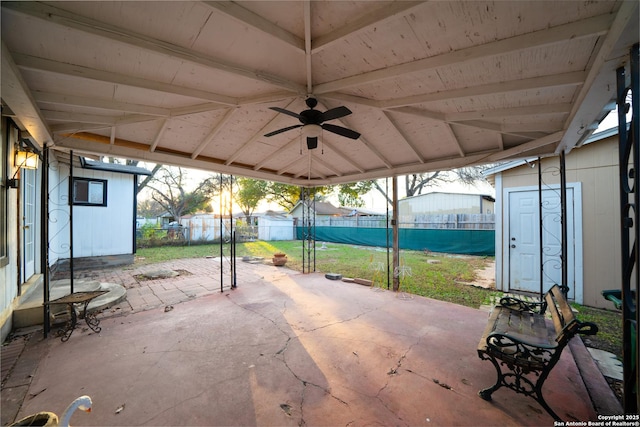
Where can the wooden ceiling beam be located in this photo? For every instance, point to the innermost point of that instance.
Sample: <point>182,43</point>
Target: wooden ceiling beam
<point>159,134</point>
<point>376,17</point>
<point>77,127</point>
<point>288,166</point>
<point>628,12</point>
<point>343,156</point>
<point>100,145</point>
<point>253,20</point>
<point>50,66</point>
<point>17,95</point>
<point>255,137</point>
<point>405,139</point>
<point>338,96</point>
<point>500,113</point>
<point>325,165</point>
<point>102,104</point>
<point>452,137</point>
<point>469,123</point>
<point>307,45</point>
<point>64,116</point>
<point>87,25</point>
<point>589,27</point>
<point>207,140</point>
<point>364,141</point>
<point>527,146</point>
<point>123,107</point>
<point>567,79</point>
<point>278,152</point>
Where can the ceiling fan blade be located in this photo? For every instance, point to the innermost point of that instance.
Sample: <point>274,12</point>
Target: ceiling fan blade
<point>275,132</point>
<point>335,113</point>
<point>341,131</point>
<point>287,112</point>
<point>312,142</point>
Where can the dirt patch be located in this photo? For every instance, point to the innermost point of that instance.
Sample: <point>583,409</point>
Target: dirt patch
<point>161,274</point>
<point>486,277</point>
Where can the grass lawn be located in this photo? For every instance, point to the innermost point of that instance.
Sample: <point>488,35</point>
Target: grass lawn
<point>437,276</point>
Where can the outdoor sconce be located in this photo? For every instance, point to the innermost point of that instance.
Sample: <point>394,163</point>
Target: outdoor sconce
<point>23,160</point>
<point>26,160</point>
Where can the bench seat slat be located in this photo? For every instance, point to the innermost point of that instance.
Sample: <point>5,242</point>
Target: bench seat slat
<point>524,326</point>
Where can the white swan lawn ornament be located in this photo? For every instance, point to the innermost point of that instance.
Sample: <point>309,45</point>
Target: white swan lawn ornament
<point>50,419</point>
<point>83,403</point>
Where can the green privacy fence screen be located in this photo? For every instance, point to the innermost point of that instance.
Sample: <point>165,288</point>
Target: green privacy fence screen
<point>468,242</point>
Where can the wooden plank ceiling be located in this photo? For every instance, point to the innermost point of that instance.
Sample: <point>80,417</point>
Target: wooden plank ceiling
<point>431,85</point>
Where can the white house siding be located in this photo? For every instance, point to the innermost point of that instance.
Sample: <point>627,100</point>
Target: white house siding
<point>97,230</point>
<point>9,264</point>
<point>105,230</point>
<point>9,272</point>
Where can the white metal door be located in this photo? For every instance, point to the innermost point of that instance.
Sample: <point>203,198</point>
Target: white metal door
<point>28,222</point>
<point>524,241</point>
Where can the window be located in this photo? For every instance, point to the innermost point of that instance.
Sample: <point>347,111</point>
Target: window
<point>89,192</point>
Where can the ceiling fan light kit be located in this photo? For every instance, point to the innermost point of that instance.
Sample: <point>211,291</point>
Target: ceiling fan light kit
<point>311,131</point>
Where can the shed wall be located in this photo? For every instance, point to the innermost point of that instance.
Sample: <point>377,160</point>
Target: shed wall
<point>595,165</point>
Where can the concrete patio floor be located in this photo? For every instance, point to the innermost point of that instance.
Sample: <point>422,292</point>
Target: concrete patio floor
<point>287,349</point>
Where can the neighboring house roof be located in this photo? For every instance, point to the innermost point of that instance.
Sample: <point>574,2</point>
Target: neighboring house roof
<point>113,167</point>
<point>322,208</point>
<point>273,214</point>
<point>529,161</point>
<point>349,211</point>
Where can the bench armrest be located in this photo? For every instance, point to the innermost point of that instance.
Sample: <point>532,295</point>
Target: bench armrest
<point>521,305</point>
<point>587,328</point>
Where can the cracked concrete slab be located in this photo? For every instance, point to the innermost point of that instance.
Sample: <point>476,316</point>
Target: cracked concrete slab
<point>292,349</point>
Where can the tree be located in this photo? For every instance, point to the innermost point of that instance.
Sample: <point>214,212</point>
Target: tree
<point>416,183</point>
<point>250,193</point>
<point>147,178</point>
<point>284,195</point>
<point>169,192</point>
<point>350,194</point>
<point>149,208</point>
<point>288,196</point>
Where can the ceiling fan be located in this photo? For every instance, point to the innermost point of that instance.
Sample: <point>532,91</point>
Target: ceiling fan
<point>313,122</point>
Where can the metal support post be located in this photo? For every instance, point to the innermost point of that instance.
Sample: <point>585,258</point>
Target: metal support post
<point>564,256</point>
<point>540,229</point>
<point>308,229</point>
<point>396,237</point>
<point>44,238</point>
<point>71,272</point>
<point>629,164</point>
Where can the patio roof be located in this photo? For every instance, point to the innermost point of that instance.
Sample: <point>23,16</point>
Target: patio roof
<point>432,85</point>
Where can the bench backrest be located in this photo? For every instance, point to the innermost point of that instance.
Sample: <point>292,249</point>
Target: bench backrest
<point>564,321</point>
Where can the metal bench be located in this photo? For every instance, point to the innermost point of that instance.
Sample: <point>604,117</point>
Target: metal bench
<point>519,340</point>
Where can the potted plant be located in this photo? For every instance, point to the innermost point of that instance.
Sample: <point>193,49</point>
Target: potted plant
<point>279,259</point>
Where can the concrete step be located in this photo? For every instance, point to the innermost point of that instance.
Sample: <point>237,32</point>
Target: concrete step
<point>30,312</point>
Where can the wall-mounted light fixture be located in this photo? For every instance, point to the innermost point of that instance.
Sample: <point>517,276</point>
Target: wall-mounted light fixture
<point>23,160</point>
<point>26,160</point>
